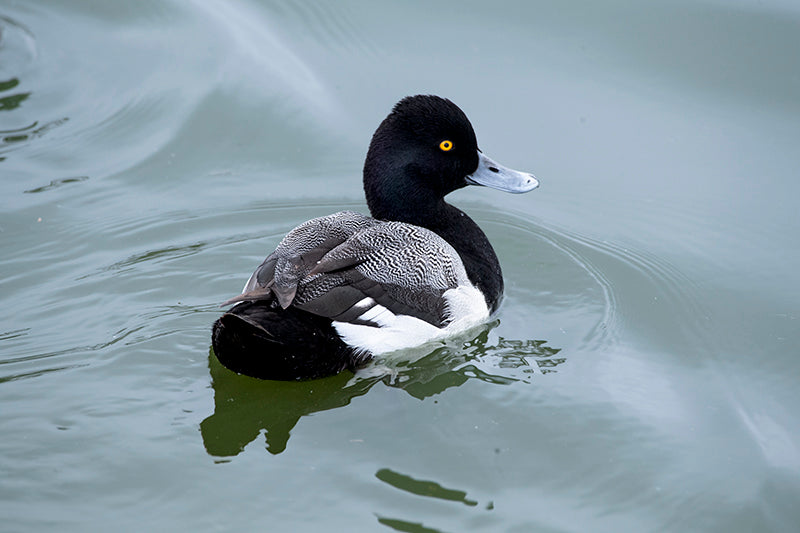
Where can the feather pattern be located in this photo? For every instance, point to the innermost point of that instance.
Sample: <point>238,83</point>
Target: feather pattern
<point>343,265</point>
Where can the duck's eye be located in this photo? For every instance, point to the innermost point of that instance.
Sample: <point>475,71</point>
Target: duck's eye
<point>446,146</point>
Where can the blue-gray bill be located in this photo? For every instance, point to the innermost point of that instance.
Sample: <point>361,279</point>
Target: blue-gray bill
<point>492,174</point>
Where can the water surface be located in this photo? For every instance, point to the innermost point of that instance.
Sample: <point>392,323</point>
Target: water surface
<point>640,376</point>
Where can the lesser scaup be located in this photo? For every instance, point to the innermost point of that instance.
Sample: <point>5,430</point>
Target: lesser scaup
<point>342,288</point>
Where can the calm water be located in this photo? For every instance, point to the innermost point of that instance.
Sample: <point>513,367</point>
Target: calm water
<point>642,374</point>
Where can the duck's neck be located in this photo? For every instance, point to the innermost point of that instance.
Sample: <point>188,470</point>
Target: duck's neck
<point>463,234</point>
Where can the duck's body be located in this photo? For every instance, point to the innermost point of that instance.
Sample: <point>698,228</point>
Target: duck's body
<point>342,288</point>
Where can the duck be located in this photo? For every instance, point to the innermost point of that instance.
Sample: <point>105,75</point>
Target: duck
<point>342,289</point>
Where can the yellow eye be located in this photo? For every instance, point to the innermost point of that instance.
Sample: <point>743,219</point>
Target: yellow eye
<point>446,146</point>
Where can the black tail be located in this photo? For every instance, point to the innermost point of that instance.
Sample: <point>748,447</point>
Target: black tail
<point>264,341</point>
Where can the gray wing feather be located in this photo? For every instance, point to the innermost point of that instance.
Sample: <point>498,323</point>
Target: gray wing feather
<point>280,273</point>
<point>342,265</point>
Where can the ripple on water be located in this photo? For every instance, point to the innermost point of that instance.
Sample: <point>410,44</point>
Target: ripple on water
<point>584,295</point>
<point>18,53</point>
<point>553,280</point>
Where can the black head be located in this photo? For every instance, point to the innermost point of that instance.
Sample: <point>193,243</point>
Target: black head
<point>422,151</point>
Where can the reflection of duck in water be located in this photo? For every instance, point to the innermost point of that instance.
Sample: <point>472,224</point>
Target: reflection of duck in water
<point>244,407</point>
<point>342,288</point>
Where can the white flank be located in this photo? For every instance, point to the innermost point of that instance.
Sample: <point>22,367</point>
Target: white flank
<point>466,308</point>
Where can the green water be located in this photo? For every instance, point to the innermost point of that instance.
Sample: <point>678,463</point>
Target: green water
<point>642,374</point>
